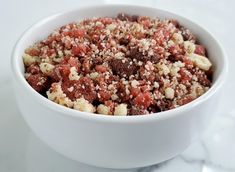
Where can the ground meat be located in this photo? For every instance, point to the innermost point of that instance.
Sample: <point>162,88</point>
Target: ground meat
<point>124,41</point>
<point>138,111</point>
<point>33,69</point>
<point>203,79</point>
<point>123,17</point>
<point>135,54</point>
<point>38,82</point>
<point>175,23</point>
<point>186,99</point>
<point>84,87</point>
<point>139,56</point>
<point>97,61</point>
<point>123,67</point>
<point>162,105</point>
<point>187,35</point>
<point>126,65</point>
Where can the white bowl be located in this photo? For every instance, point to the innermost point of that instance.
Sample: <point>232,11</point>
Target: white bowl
<point>123,141</point>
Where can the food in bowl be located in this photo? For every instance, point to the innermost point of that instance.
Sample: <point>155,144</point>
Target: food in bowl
<point>131,141</point>
<point>127,65</point>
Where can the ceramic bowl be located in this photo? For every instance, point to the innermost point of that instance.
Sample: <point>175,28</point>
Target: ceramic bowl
<point>116,141</point>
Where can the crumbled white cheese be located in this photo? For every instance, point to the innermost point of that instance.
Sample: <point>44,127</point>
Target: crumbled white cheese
<point>47,60</point>
<point>175,68</point>
<point>183,87</point>
<point>98,23</point>
<point>178,38</point>
<point>55,59</point>
<point>125,82</point>
<point>189,47</point>
<point>94,75</point>
<point>121,110</point>
<point>178,64</point>
<point>119,55</point>
<point>73,75</point>
<point>102,109</point>
<point>60,53</point>
<point>56,95</point>
<point>127,90</point>
<point>163,68</point>
<point>107,32</point>
<point>67,52</point>
<point>149,65</point>
<point>140,63</point>
<point>111,27</point>
<point>150,52</point>
<point>156,84</point>
<point>200,61</point>
<point>144,43</point>
<point>114,96</point>
<point>169,93</point>
<point>28,60</point>
<point>170,43</point>
<point>174,71</point>
<point>111,87</point>
<point>46,68</point>
<point>134,83</point>
<point>82,104</point>
<point>136,27</point>
<point>197,90</point>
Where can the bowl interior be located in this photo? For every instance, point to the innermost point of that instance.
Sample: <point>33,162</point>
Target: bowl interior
<point>43,28</point>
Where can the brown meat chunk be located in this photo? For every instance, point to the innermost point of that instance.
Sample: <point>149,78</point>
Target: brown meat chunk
<point>139,56</point>
<point>187,35</point>
<point>135,54</point>
<point>33,69</point>
<point>124,17</point>
<point>83,87</point>
<point>162,105</point>
<point>38,82</point>
<point>134,18</point>
<point>138,111</point>
<point>123,68</point>
<point>124,41</point>
<point>203,79</point>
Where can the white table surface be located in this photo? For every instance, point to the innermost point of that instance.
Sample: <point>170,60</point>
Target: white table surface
<point>22,151</point>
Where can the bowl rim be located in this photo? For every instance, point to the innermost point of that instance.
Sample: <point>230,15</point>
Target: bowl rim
<point>19,77</point>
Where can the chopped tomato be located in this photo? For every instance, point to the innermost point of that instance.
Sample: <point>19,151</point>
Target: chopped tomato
<point>184,77</point>
<point>104,96</point>
<point>200,49</point>
<point>100,68</point>
<point>143,100</point>
<point>188,63</point>
<point>134,91</point>
<point>32,52</point>
<point>106,20</point>
<point>79,49</point>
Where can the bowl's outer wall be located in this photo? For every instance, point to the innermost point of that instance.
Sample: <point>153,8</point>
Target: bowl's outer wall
<point>114,145</point>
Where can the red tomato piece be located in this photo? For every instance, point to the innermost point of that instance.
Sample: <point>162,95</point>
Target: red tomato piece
<point>143,100</point>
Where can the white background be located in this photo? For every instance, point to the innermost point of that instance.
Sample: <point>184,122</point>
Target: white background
<point>21,151</point>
